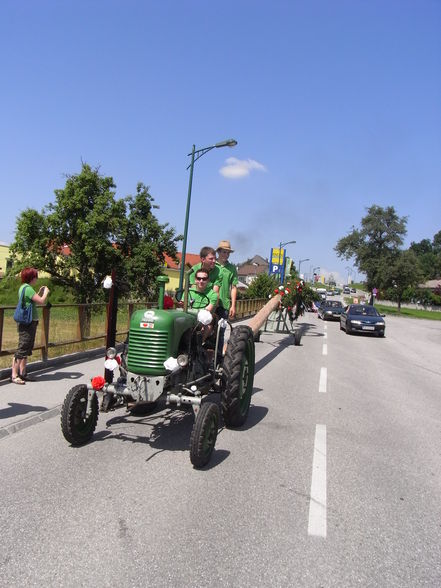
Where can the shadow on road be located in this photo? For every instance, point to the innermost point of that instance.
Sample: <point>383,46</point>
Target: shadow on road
<point>279,346</point>
<point>57,376</point>
<point>15,409</point>
<point>168,429</point>
<point>309,330</point>
<point>256,414</point>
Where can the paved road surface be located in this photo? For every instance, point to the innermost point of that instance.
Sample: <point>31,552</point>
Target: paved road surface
<point>333,481</point>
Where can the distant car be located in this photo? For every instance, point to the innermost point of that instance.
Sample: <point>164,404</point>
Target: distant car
<point>353,291</point>
<point>362,318</point>
<point>330,293</point>
<point>346,290</point>
<point>330,310</point>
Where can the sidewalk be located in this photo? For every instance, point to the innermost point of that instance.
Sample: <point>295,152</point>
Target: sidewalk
<point>24,406</point>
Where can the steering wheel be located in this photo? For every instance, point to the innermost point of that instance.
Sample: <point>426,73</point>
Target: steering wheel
<point>202,299</point>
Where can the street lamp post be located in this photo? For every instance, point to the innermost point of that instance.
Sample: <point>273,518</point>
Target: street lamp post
<point>281,270</point>
<point>300,263</point>
<point>195,155</point>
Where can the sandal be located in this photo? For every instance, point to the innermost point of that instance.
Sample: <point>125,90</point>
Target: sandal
<point>17,380</point>
<point>27,378</point>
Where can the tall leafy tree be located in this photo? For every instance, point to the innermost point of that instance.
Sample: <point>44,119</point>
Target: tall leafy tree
<point>429,256</point>
<point>400,273</point>
<point>144,245</point>
<point>375,244</point>
<point>87,232</point>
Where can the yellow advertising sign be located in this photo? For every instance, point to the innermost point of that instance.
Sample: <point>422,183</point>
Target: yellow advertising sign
<point>277,256</point>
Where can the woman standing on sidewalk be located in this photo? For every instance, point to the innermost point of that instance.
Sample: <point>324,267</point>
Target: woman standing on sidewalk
<point>26,333</point>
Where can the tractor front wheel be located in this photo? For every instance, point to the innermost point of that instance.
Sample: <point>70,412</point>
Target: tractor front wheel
<point>76,426</point>
<point>204,434</point>
<point>238,376</point>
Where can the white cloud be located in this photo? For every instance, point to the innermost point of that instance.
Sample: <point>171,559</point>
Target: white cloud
<point>240,168</point>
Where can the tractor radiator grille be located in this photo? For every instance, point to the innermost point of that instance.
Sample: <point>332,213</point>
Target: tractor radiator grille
<point>147,352</point>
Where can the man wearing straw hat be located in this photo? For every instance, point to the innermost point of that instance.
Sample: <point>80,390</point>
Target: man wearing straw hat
<point>229,281</point>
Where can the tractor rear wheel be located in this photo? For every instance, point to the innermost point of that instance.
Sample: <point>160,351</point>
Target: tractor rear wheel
<point>238,376</point>
<point>204,434</point>
<point>78,428</point>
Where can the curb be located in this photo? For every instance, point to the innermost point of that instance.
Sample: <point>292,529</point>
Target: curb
<point>25,423</point>
<point>70,359</point>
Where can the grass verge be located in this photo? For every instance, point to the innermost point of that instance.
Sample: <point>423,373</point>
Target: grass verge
<point>410,312</point>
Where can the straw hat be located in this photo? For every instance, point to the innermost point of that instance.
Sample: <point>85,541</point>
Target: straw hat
<point>224,245</point>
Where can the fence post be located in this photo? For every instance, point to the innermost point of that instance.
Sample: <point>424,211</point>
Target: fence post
<point>131,306</point>
<point>45,333</point>
<point>80,326</point>
<point>2,316</point>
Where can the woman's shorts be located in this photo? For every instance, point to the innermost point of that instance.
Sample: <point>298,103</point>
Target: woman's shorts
<point>26,339</point>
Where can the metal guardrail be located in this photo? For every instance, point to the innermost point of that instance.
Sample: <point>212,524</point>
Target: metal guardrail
<point>45,341</point>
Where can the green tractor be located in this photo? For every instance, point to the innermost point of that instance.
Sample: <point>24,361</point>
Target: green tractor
<point>168,354</point>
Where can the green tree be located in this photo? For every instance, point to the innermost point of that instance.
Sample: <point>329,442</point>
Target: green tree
<point>375,243</point>
<point>262,286</point>
<point>429,256</point>
<point>101,233</point>
<point>400,274</point>
<point>145,243</point>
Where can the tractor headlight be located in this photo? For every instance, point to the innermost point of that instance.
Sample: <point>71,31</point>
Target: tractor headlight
<point>182,360</point>
<point>111,353</point>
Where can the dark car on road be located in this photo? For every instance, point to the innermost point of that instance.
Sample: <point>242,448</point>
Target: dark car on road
<point>330,310</point>
<point>362,318</point>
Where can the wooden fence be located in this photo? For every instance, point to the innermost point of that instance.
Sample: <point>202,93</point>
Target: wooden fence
<point>62,327</point>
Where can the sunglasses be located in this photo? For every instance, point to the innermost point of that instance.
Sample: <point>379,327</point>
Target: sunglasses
<point>201,279</point>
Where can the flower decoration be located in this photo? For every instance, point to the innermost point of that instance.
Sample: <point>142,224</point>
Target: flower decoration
<point>168,302</point>
<point>98,382</point>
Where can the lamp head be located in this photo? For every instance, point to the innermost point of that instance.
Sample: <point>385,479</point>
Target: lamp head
<point>227,143</point>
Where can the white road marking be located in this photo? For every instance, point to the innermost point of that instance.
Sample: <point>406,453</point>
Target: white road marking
<point>317,504</point>
<point>325,349</point>
<point>323,379</point>
<point>325,335</point>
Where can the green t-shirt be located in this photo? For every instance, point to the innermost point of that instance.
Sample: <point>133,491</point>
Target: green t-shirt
<point>214,276</point>
<point>27,298</point>
<point>200,298</point>
<point>228,279</point>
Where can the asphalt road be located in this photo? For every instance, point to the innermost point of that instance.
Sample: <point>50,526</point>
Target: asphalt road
<point>334,480</point>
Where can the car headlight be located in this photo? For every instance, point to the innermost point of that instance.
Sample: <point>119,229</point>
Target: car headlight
<point>355,322</point>
<point>380,324</point>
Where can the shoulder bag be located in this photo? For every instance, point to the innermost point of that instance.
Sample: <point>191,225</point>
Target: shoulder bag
<point>23,313</point>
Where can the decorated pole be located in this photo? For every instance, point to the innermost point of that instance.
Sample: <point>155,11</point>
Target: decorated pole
<point>259,319</point>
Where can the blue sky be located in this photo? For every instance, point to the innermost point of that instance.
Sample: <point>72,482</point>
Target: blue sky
<point>336,105</point>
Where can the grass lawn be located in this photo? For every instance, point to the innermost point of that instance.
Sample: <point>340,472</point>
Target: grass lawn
<point>410,312</point>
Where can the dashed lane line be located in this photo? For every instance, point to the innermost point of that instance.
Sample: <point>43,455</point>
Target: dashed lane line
<point>317,524</point>
<point>323,379</point>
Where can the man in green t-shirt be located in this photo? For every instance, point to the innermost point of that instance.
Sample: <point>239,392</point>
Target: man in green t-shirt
<point>201,295</point>
<point>229,281</point>
<point>208,263</point>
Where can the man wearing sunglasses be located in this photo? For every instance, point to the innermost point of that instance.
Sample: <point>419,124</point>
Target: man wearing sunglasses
<point>201,295</point>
